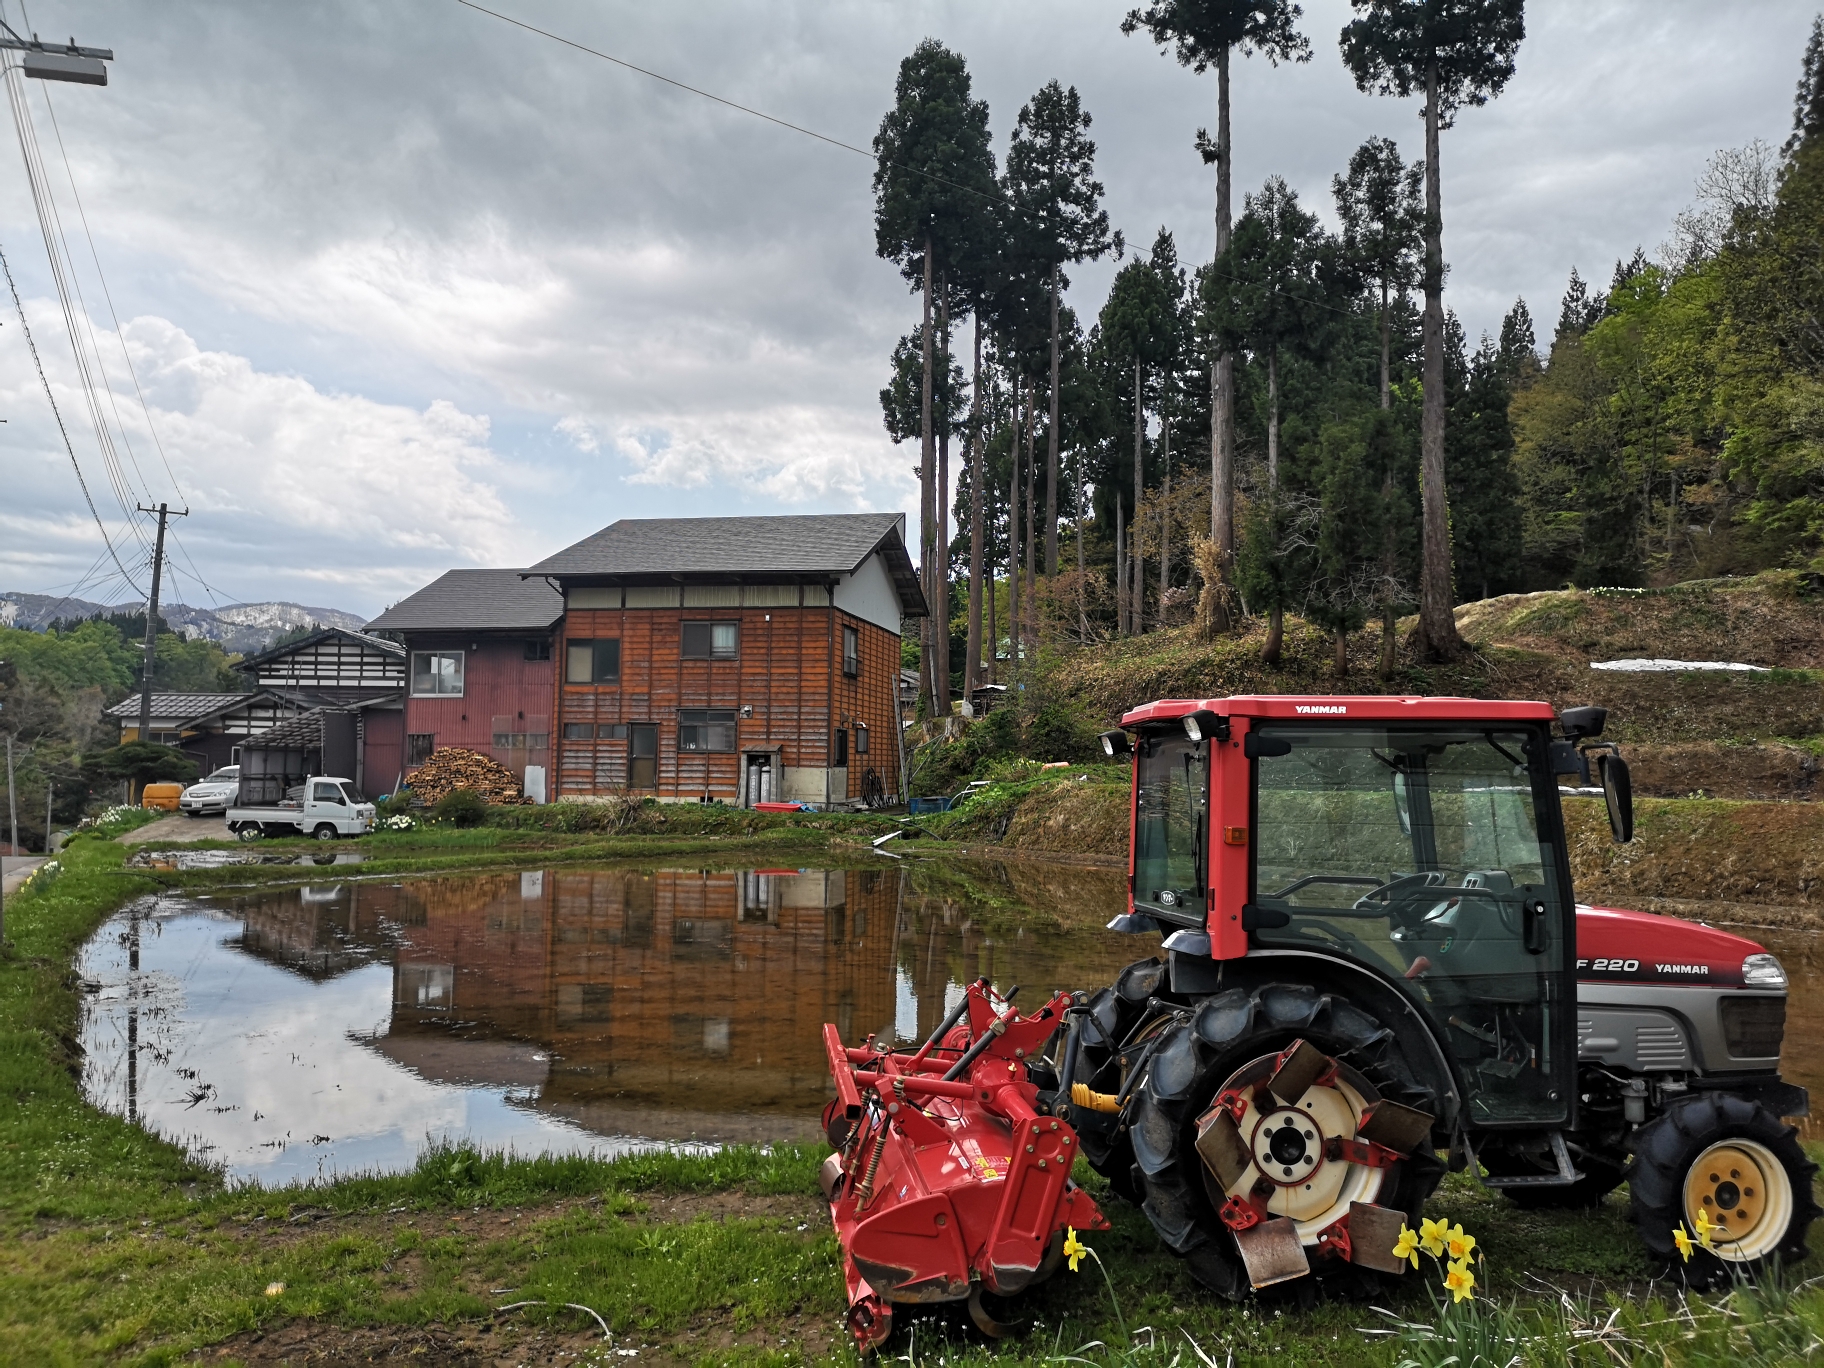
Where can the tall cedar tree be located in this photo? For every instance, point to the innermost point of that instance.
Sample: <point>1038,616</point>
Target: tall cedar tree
<point>1137,324</point>
<point>1057,219</point>
<point>1267,298</point>
<point>1484,488</point>
<point>1348,553</point>
<point>933,183</point>
<point>1379,203</point>
<point>1457,52</point>
<point>1808,105</point>
<point>1201,34</point>
<point>1164,261</point>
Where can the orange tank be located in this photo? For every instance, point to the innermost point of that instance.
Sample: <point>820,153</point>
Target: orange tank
<point>161,796</point>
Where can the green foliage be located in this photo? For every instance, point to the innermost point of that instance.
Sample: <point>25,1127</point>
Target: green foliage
<point>144,762</point>
<point>461,808</point>
<point>1392,48</point>
<point>1201,32</point>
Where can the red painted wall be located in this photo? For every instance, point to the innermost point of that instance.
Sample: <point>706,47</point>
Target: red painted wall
<point>498,680</point>
<point>383,749</point>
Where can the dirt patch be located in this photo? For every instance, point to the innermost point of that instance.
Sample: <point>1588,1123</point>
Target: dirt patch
<point>1701,851</point>
<point>680,1208</point>
<point>1753,773</point>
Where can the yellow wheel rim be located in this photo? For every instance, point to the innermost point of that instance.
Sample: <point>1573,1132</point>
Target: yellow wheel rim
<point>1743,1193</point>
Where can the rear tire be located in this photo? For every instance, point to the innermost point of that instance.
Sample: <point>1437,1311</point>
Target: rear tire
<point>248,831</point>
<point>1203,1047</point>
<point>1718,1147</point>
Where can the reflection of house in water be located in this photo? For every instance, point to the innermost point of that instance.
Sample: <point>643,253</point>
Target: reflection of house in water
<point>670,999</point>
<point>681,1003</point>
<point>320,930</point>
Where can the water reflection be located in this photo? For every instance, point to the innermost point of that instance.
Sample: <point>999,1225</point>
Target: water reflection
<point>304,1031</point>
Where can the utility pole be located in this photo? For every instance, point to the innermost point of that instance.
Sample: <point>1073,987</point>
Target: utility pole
<point>158,561</point>
<point>50,789</point>
<point>12,805</point>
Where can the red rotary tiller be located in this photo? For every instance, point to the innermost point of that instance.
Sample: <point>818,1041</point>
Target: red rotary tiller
<point>951,1177</point>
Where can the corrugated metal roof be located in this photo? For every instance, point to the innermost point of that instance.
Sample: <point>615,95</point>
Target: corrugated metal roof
<point>789,544</point>
<point>475,600</point>
<point>168,707</point>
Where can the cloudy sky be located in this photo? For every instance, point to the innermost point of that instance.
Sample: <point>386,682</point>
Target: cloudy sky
<point>407,288</point>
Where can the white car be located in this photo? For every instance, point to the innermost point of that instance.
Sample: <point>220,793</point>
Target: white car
<point>213,795</point>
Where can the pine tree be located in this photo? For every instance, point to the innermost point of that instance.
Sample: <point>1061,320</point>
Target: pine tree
<point>1580,310</point>
<point>1808,104</point>
<point>1138,324</point>
<point>1202,34</point>
<point>1382,213</point>
<point>933,182</point>
<point>1458,52</point>
<point>1347,555</point>
<point>1057,219</point>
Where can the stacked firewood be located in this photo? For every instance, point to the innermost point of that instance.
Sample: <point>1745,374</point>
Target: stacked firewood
<point>451,768</point>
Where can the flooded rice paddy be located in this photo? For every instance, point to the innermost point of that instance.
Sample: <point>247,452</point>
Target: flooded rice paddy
<point>304,1032</point>
<point>299,1033</point>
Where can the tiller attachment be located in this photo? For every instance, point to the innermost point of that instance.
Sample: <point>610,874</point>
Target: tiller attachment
<point>950,1175</point>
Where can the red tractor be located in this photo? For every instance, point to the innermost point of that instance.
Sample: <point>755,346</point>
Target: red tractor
<point>1374,969</point>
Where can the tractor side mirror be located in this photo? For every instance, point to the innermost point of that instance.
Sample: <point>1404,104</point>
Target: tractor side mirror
<point>1618,795</point>
<point>1115,744</point>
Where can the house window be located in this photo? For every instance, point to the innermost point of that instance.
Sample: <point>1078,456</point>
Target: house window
<point>851,651</point>
<point>710,640</point>
<point>579,731</point>
<point>861,740</point>
<point>706,729</point>
<point>593,662</point>
<point>539,650</point>
<point>437,674</point>
<point>418,747</point>
<point>842,750</point>
<point>612,731</point>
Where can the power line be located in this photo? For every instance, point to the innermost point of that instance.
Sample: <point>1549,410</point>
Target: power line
<point>108,294</point>
<point>62,431</point>
<point>799,128</point>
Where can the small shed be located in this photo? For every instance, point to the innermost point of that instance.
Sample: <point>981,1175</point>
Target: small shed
<point>321,741</point>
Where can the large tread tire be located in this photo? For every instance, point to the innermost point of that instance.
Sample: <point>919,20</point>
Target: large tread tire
<point>1665,1150</point>
<point>1206,1045</point>
<point>1105,1049</point>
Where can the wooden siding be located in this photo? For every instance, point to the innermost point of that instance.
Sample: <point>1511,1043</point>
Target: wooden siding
<point>652,985</point>
<point>337,665</point>
<point>788,669</point>
<point>497,681</point>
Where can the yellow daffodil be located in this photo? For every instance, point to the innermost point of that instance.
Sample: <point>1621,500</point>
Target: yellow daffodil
<point>1407,1247</point>
<point>1705,1227</point>
<point>1683,1242</point>
<point>1074,1249</point>
<point>1431,1236</point>
<point>1458,1244</point>
<point>1459,1281</point>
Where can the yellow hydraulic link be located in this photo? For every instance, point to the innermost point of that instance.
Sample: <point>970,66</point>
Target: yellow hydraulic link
<point>1082,1096</point>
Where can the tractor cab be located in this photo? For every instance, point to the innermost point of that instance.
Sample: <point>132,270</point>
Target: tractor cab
<point>1417,840</point>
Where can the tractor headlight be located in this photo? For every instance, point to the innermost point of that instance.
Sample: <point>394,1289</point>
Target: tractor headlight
<point>1763,971</point>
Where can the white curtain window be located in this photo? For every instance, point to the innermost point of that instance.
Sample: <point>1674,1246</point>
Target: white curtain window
<point>437,674</point>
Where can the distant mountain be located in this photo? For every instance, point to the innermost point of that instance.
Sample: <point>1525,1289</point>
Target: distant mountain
<point>246,628</point>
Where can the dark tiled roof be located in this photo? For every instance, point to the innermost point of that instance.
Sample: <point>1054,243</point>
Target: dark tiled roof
<point>171,707</point>
<point>305,730</point>
<point>475,600</point>
<point>795,544</point>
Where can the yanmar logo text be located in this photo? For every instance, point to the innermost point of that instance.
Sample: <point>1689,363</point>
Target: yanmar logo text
<point>1320,707</point>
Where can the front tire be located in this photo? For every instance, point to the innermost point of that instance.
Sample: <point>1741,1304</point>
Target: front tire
<point>1740,1166</point>
<point>324,832</point>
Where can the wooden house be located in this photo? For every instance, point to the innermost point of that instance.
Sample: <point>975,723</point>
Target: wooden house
<point>479,668</point>
<point>733,659</point>
<point>354,685</point>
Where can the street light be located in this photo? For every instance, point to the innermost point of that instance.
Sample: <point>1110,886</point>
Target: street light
<point>50,62</point>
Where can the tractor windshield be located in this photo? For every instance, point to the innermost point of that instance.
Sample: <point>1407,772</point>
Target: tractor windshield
<point>1171,825</point>
<point>1421,853</point>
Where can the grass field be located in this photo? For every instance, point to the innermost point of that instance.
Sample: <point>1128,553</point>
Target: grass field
<point>114,1247</point>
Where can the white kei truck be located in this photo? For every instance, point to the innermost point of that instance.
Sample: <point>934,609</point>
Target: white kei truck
<point>323,806</point>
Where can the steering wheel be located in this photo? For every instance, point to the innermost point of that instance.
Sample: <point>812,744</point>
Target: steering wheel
<point>1399,889</point>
